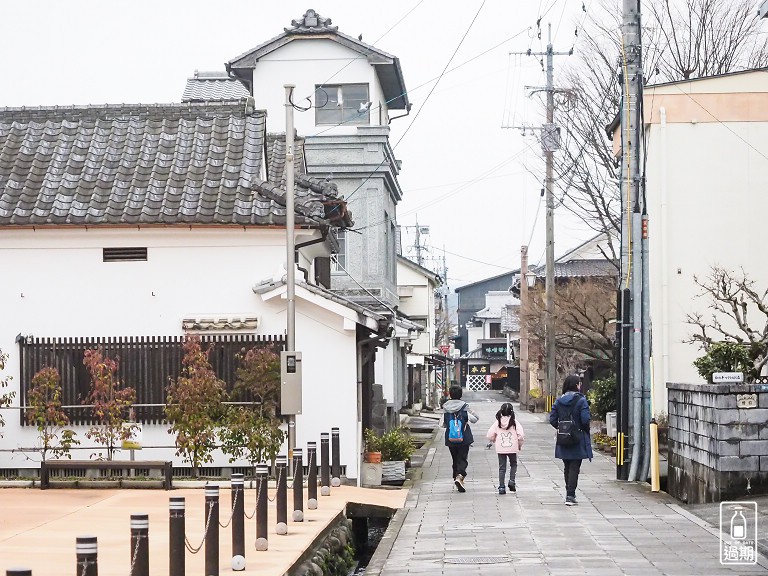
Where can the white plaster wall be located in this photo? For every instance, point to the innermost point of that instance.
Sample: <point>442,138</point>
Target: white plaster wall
<point>56,285</point>
<point>306,63</point>
<point>707,205</point>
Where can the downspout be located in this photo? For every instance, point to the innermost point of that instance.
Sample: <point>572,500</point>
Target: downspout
<point>407,113</point>
<point>664,372</point>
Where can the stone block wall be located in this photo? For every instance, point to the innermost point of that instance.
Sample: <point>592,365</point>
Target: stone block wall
<point>717,450</point>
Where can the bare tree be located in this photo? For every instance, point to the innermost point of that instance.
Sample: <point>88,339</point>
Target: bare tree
<point>584,314</point>
<point>682,39</point>
<point>733,297</point>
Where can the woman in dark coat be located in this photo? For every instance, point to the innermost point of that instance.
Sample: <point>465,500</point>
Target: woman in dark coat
<point>572,405</point>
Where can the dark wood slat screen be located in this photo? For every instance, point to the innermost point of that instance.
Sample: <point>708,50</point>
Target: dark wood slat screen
<point>146,363</point>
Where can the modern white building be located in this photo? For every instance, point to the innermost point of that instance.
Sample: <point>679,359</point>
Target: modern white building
<point>707,170</point>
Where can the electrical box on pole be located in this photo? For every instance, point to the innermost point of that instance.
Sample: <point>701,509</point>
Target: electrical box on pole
<point>290,382</point>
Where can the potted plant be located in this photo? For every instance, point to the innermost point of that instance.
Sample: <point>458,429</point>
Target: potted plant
<point>372,452</point>
<point>397,447</point>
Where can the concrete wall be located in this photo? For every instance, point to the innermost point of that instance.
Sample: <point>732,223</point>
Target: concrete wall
<point>716,448</point>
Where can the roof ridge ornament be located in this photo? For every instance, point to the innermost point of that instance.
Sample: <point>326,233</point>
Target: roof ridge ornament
<point>311,21</point>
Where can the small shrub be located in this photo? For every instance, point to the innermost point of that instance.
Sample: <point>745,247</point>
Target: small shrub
<point>535,393</point>
<point>372,441</point>
<point>397,445</point>
<point>602,397</point>
<point>724,357</point>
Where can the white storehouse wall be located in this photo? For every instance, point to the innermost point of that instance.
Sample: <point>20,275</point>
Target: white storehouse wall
<point>55,284</point>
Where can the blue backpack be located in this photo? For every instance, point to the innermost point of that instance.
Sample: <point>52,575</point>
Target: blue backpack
<point>456,428</point>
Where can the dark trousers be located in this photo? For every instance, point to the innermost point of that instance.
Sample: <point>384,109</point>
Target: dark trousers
<point>459,455</point>
<point>571,473</point>
<point>503,467</point>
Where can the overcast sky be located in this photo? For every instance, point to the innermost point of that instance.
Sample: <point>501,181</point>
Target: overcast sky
<point>467,175</point>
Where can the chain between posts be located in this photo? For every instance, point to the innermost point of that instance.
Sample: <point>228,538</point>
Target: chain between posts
<point>193,549</point>
<point>231,513</point>
<point>135,554</point>
<point>258,493</point>
<point>279,475</point>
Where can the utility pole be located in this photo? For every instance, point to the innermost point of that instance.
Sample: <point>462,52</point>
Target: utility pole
<point>635,382</point>
<point>550,142</point>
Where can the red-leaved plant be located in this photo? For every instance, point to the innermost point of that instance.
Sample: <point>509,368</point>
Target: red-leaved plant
<point>6,397</point>
<point>46,413</point>
<point>110,403</point>
<point>194,406</point>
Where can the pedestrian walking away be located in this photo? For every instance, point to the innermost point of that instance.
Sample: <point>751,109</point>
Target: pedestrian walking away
<point>570,417</point>
<point>507,436</point>
<point>458,434</point>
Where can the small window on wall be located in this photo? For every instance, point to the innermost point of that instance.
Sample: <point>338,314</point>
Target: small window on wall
<point>129,254</point>
<point>339,260</point>
<point>495,330</point>
<point>342,104</point>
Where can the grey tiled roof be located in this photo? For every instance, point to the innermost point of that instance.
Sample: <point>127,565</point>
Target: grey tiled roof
<point>213,86</point>
<point>145,164</point>
<point>580,269</point>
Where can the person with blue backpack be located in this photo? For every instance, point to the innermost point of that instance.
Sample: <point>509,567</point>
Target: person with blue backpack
<point>458,434</point>
<point>570,417</point>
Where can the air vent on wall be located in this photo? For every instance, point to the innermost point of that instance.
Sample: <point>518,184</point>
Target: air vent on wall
<point>128,254</point>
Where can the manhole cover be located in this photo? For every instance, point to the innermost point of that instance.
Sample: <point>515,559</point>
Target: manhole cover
<point>478,560</point>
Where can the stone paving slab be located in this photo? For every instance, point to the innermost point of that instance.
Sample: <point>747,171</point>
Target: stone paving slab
<point>39,528</point>
<point>618,528</point>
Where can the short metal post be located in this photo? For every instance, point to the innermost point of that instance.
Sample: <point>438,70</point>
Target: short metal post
<point>176,535</point>
<point>212,530</point>
<point>238,522</point>
<point>281,499</point>
<point>18,572</point>
<point>139,545</point>
<point>312,475</point>
<point>298,485</point>
<point>86,549</point>
<point>262,530</point>
<point>335,458</point>
<point>325,473</point>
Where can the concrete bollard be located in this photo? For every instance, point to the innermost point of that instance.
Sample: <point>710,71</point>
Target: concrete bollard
<point>86,549</point>
<point>262,474</point>
<point>335,458</point>
<point>312,475</point>
<point>238,522</point>
<point>212,530</point>
<point>281,499</point>
<point>18,572</point>
<point>325,473</point>
<point>139,545</point>
<point>298,485</point>
<point>176,535</point>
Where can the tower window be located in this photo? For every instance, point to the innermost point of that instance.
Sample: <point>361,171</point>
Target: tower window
<point>342,104</point>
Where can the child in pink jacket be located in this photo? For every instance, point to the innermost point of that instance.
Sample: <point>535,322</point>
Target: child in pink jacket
<point>508,436</point>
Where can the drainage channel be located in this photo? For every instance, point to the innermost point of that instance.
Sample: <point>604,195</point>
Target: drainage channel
<point>369,523</point>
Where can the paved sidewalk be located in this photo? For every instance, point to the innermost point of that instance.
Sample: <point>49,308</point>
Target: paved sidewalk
<point>617,528</point>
